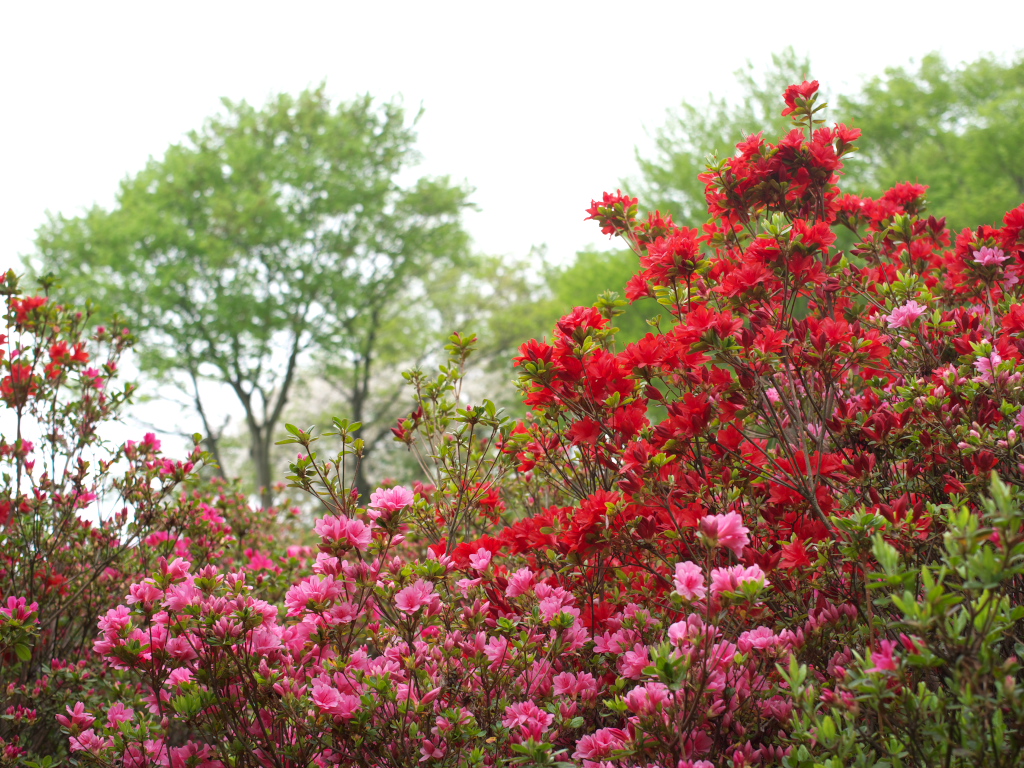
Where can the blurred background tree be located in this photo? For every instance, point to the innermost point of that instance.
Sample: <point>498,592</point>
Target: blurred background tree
<point>668,180</point>
<point>958,130</point>
<point>270,239</point>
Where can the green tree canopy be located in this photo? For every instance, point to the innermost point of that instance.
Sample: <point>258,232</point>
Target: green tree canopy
<point>267,239</point>
<point>958,130</point>
<point>692,134</point>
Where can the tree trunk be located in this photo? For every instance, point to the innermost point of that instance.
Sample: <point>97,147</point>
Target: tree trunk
<point>260,454</point>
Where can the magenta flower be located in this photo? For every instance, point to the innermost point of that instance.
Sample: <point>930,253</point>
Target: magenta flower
<point>144,592</point>
<point>633,663</point>
<point>905,316</point>
<point>178,567</point>
<point>726,531</point>
<point>19,609</point>
<point>433,749</point>
<point>550,607</point>
<point>565,684</point>
<point>80,719</point>
<point>529,717</point>
<point>882,658</point>
<point>731,579</point>
<point>180,648</point>
<point>647,699</point>
<point>480,560</point>
<point>115,620</point>
<point>389,501</point>
<point>600,744</point>
<point>519,583</point>
<point>118,714</point>
<point>689,581</point>
<point>986,366</point>
<point>331,701</point>
<point>311,590</point>
<point>988,257</point>
<point>89,741</point>
<point>761,637</point>
<point>179,676</point>
<point>415,596</point>
<point>354,532</point>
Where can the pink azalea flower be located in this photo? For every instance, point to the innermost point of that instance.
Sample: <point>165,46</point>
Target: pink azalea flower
<point>989,256</point>
<point>647,699</point>
<point>414,597</point>
<point>313,589</point>
<point>115,620</point>
<point>481,559</point>
<point>882,657</point>
<point>530,719</point>
<point>600,744</point>
<point>181,648</point>
<point>386,501</point>
<point>330,700</point>
<point>689,581</point>
<point>726,531</point>
<point>433,749</point>
<point>265,641</point>
<point>80,719</point>
<point>350,530</point>
<point>987,365</point>
<point>89,741</point>
<point>1011,277</point>
<point>905,316</point>
<point>632,663</point>
<point>146,592</point>
<point>19,609</point>
<point>179,676</point>
<point>730,579</point>
<point>759,638</point>
<point>521,582</point>
<point>118,714</point>
<point>565,684</point>
<point>551,607</point>
<point>178,567</point>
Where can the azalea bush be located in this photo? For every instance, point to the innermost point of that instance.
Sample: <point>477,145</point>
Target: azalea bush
<point>782,528</point>
<point>81,520</point>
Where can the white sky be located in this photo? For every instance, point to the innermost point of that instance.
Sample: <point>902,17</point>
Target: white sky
<point>538,105</point>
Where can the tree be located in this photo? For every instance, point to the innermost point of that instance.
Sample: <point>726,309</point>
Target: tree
<point>266,239</point>
<point>669,180</point>
<point>957,130</point>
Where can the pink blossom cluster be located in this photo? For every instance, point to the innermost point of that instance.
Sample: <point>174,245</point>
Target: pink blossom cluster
<point>439,653</point>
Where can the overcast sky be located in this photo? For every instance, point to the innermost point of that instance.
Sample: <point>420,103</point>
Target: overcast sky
<point>537,105</point>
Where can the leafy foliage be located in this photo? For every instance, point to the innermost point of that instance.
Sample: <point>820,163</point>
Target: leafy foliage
<point>955,129</point>
<point>268,238</point>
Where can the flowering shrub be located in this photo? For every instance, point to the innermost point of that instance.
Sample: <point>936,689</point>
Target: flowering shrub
<point>767,533</point>
<point>79,522</point>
